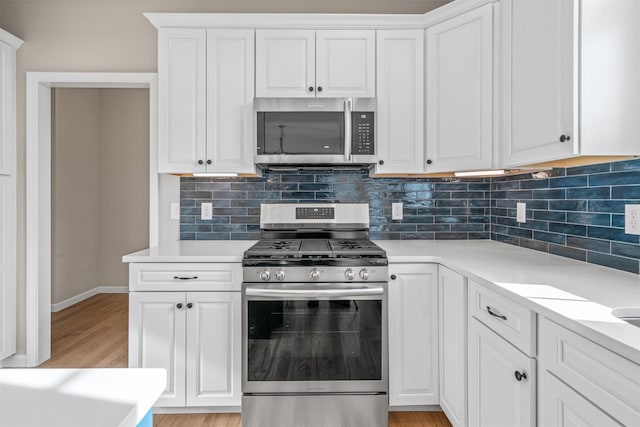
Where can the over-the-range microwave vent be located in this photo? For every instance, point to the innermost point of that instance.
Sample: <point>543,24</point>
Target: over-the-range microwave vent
<point>363,167</point>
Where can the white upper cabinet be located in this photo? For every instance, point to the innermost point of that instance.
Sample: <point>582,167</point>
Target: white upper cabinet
<point>567,89</point>
<point>459,92</point>
<point>205,100</point>
<point>309,63</point>
<point>400,101</point>
<point>230,88</point>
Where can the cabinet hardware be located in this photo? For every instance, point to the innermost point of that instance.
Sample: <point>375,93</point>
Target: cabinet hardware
<point>179,306</point>
<point>200,162</point>
<point>190,305</point>
<point>381,162</point>
<point>520,375</point>
<point>209,162</point>
<point>319,88</point>
<point>184,278</point>
<point>393,277</point>
<point>310,88</point>
<point>501,316</point>
<point>564,138</point>
<point>429,161</point>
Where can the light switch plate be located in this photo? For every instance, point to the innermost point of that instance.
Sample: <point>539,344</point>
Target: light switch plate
<point>206,211</point>
<point>632,219</point>
<point>521,212</point>
<point>396,210</point>
<point>175,210</point>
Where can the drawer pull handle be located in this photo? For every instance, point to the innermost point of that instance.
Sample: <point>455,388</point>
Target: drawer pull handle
<point>520,375</point>
<point>184,278</point>
<point>501,316</point>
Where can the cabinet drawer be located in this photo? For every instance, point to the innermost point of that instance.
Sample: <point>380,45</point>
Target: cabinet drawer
<point>514,322</point>
<point>185,276</point>
<point>605,378</point>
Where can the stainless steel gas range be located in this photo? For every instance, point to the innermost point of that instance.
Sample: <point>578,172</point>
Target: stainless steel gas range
<point>315,340</point>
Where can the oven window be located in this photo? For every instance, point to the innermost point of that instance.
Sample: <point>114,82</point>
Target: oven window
<point>314,340</point>
<point>319,132</point>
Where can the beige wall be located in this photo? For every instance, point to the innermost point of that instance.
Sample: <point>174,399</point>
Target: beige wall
<point>100,187</point>
<point>112,35</point>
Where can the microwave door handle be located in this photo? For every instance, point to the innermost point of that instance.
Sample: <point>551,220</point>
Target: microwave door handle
<point>317,293</point>
<point>347,129</point>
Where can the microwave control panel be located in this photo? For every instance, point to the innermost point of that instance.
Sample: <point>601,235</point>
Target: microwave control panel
<point>362,130</point>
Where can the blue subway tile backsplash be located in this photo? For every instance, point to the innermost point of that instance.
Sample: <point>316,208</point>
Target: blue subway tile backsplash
<point>574,212</point>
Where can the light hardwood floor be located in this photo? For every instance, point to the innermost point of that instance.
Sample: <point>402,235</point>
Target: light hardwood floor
<point>93,334</point>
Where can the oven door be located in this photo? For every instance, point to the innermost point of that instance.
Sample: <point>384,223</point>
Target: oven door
<point>314,338</point>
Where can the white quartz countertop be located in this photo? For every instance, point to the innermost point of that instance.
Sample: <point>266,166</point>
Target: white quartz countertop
<point>574,293</point>
<point>78,397</point>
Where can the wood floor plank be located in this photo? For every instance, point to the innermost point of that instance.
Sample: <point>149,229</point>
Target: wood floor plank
<point>94,334</point>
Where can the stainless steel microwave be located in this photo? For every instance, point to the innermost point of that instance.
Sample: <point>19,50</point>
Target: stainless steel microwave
<point>322,132</point>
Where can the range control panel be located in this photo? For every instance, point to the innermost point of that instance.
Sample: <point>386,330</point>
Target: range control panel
<point>315,213</point>
<point>362,131</point>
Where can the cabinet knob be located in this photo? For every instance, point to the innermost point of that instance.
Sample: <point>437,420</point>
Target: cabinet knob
<point>190,305</point>
<point>319,88</point>
<point>520,375</point>
<point>429,161</point>
<point>564,138</point>
<point>200,162</point>
<point>310,88</point>
<point>393,277</point>
<point>179,306</point>
<point>209,162</point>
<point>381,162</point>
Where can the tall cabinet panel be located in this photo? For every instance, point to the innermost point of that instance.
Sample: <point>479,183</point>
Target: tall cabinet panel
<point>230,89</point>
<point>413,334</point>
<point>213,349</point>
<point>182,100</point>
<point>539,71</point>
<point>400,99</point>
<point>8,202</point>
<point>452,295</point>
<point>460,92</point>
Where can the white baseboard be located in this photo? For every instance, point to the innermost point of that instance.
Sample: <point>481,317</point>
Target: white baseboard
<point>196,409</point>
<point>15,361</point>
<point>88,294</point>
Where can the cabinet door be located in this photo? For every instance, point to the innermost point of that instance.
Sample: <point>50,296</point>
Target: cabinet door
<point>452,295</point>
<point>181,100</point>
<point>496,397</point>
<point>539,75</point>
<point>345,63</point>
<point>460,92</point>
<point>400,99</point>
<point>157,326</point>
<point>7,266</point>
<point>230,91</point>
<point>562,406</point>
<point>7,109</point>
<point>413,334</point>
<point>285,64</point>
<point>213,349</point>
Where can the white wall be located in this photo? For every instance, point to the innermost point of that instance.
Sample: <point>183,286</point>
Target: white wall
<point>100,187</point>
<point>112,36</point>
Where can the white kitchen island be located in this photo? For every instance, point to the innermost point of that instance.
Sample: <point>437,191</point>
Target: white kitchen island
<point>79,397</point>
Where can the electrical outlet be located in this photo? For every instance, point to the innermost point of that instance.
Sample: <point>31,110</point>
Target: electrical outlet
<point>175,210</point>
<point>632,219</point>
<point>396,210</point>
<point>521,212</point>
<point>206,211</point>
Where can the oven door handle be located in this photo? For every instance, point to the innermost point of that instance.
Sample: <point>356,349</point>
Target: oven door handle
<point>316,293</point>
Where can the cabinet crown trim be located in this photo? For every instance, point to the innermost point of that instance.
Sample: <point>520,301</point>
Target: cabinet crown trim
<point>10,39</point>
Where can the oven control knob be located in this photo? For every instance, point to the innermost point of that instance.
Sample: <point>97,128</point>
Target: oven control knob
<point>364,274</point>
<point>314,274</point>
<point>279,275</point>
<point>265,275</point>
<point>349,274</point>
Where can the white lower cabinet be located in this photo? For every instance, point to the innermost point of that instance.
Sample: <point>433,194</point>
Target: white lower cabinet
<point>502,381</point>
<point>413,334</point>
<point>452,296</point>
<point>195,336</point>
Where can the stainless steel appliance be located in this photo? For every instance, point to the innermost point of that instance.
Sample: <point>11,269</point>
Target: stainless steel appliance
<point>317,132</point>
<point>315,339</point>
